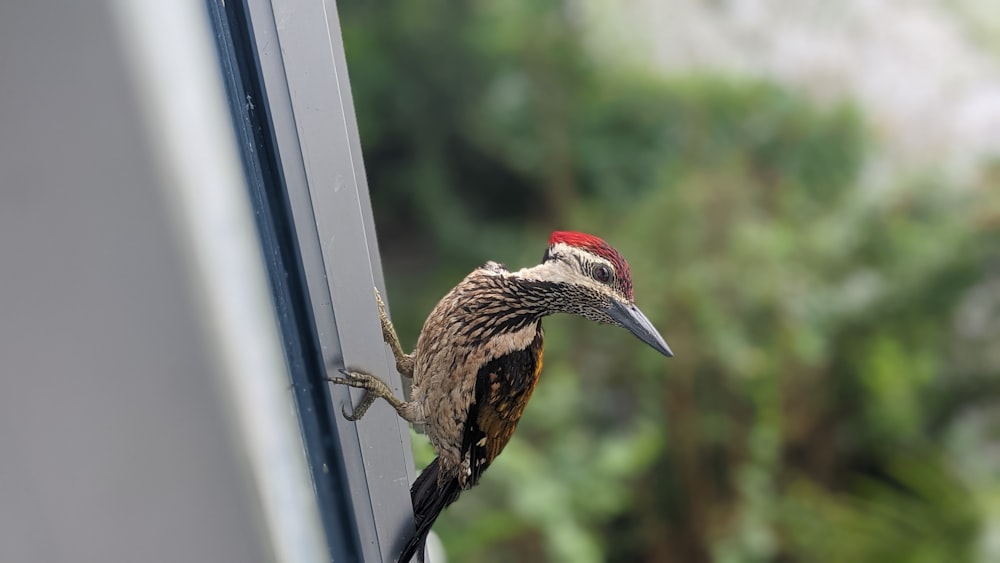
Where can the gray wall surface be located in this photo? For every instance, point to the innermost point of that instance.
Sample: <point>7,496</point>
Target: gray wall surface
<point>113,445</point>
<point>126,432</point>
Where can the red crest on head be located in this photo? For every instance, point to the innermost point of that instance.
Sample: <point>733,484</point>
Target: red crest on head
<point>598,247</point>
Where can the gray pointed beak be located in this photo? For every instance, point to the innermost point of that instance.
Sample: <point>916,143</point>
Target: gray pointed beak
<point>630,317</point>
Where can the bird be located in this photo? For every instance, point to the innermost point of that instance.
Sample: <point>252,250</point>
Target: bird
<point>479,356</point>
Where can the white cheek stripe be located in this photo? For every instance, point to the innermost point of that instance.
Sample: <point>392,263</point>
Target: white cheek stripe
<point>582,255</point>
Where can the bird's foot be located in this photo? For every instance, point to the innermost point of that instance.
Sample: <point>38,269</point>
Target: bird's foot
<point>374,388</point>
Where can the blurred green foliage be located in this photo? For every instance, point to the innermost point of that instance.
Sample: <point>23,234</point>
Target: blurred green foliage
<point>831,395</point>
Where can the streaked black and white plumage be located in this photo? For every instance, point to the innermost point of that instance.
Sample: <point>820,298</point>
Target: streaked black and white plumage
<point>479,356</point>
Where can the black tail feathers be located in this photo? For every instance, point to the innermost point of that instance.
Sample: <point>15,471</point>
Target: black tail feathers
<point>429,499</point>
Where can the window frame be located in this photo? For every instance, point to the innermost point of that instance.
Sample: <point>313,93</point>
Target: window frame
<point>291,105</point>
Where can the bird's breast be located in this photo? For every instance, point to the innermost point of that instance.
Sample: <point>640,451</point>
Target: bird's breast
<point>480,322</point>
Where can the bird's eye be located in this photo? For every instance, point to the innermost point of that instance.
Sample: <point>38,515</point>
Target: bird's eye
<point>602,274</point>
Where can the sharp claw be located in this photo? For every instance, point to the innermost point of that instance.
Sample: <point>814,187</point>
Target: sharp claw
<point>348,416</point>
<point>344,371</point>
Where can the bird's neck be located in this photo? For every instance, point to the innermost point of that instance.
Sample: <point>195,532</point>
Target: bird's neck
<point>537,293</point>
<point>494,302</point>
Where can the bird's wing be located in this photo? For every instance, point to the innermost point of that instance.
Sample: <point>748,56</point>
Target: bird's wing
<point>503,387</point>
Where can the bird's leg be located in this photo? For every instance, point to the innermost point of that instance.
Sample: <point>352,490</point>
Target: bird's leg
<point>374,388</point>
<point>404,362</point>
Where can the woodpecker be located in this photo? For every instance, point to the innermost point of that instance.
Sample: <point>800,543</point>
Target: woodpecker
<point>479,356</point>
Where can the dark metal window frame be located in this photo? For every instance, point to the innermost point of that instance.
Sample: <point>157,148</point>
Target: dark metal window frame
<point>286,78</point>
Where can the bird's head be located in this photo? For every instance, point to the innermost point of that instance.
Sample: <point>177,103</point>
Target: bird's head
<point>592,279</point>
